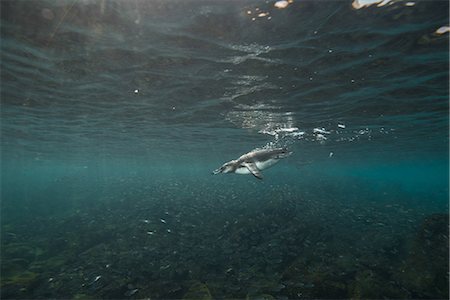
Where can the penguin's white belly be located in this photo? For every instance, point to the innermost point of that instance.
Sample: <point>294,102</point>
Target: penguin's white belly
<point>259,164</point>
<point>266,164</point>
<point>242,170</point>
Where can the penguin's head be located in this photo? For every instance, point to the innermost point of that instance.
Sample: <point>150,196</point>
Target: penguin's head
<point>228,167</point>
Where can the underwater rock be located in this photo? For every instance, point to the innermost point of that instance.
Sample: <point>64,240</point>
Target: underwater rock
<point>24,279</point>
<point>198,291</point>
<point>260,297</point>
<point>131,292</point>
<point>20,250</point>
<point>55,262</point>
<point>367,285</point>
<point>82,297</point>
<point>318,279</point>
<point>13,266</point>
<point>425,271</point>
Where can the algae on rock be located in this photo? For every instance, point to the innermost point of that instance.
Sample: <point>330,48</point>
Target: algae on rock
<point>198,291</point>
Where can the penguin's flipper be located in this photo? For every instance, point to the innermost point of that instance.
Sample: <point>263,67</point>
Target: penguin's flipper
<point>253,169</point>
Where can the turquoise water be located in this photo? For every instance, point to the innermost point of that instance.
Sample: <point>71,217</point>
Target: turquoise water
<point>115,113</point>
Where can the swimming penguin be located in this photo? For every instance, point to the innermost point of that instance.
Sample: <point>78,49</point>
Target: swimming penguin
<point>254,161</point>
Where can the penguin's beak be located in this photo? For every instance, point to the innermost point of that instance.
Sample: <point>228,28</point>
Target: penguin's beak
<point>217,171</point>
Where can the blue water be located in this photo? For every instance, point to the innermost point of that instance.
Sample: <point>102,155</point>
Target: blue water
<point>115,113</point>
